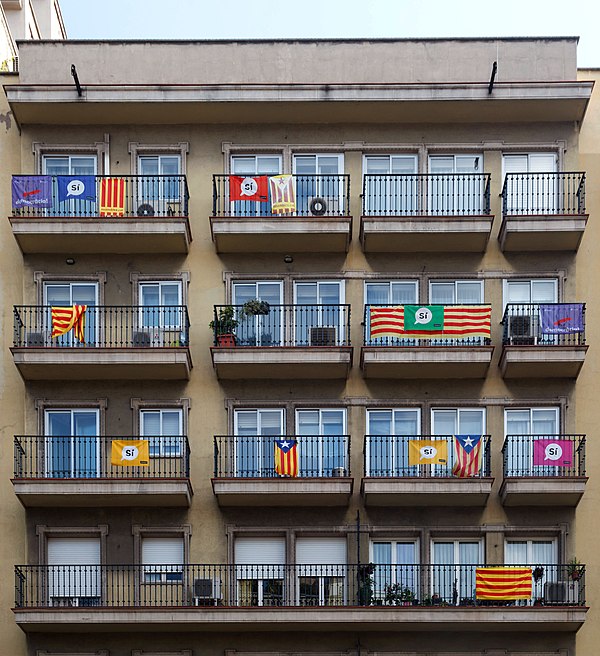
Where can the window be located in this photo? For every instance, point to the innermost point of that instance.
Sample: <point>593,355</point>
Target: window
<point>163,559</point>
<point>164,431</point>
<point>453,421</point>
<point>454,563</point>
<point>388,433</point>
<point>160,184</point>
<point>391,185</point>
<point>525,426</point>
<point>390,292</point>
<point>67,294</point>
<point>255,432</point>
<point>252,165</point>
<point>522,299</point>
<point>69,165</point>
<point>535,290</point>
<point>536,190</point>
<point>456,185</point>
<point>322,442</point>
<point>448,292</point>
<point>321,569</point>
<point>260,570</point>
<point>396,577</point>
<point>323,323</point>
<point>72,445</point>
<point>161,312</point>
<point>319,176</point>
<point>260,330</point>
<point>542,556</point>
<point>73,571</point>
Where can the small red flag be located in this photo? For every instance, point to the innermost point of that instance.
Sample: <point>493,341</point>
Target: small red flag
<point>254,188</point>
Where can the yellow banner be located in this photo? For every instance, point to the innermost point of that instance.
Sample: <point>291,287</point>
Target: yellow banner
<point>283,194</point>
<point>427,452</point>
<point>130,453</point>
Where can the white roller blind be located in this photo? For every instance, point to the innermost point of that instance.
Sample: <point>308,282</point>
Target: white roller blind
<point>321,551</point>
<point>162,551</point>
<point>73,551</point>
<point>260,551</point>
<point>68,576</point>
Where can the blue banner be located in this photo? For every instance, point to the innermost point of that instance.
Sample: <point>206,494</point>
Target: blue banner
<point>31,191</point>
<point>81,187</point>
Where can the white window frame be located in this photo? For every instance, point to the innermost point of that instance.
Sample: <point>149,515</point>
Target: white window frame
<point>259,571</point>
<point>262,322</point>
<point>163,573</point>
<point>262,462</point>
<point>396,575</point>
<point>159,444</point>
<point>320,456</point>
<point>395,446</point>
<point>322,571</point>
<point>320,315</point>
<point>457,282</point>
<point>507,282</point>
<point>162,327</point>
<point>70,158</point>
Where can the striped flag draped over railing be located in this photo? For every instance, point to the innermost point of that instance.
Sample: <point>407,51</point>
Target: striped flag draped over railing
<point>112,197</point>
<point>67,318</point>
<point>503,583</point>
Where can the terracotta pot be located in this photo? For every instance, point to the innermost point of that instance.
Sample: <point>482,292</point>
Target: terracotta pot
<point>226,340</point>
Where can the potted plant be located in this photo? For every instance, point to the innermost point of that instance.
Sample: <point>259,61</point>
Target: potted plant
<point>254,307</point>
<point>224,325</point>
<point>365,583</point>
<point>397,594</point>
<point>574,569</point>
<point>538,573</point>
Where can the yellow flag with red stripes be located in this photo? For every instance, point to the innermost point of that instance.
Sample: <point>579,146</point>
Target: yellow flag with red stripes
<point>66,318</point>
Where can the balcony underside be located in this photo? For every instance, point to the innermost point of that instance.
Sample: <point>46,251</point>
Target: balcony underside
<point>425,234</point>
<point>542,491</point>
<point>542,233</point>
<point>85,493</point>
<point>92,235</point>
<point>426,361</point>
<point>283,492</point>
<point>287,363</point>
<point>103,363</point>
<point>283,235</point>
<point>216,618</point>
<point>542,361</point>
<point>419,491</point>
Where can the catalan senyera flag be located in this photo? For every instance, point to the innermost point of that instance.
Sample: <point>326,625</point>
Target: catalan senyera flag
<point>286,457</point>
<point>431,321</point>
<point>67,318</point>
<point>130,453</point>
<point>283,194</point>
<point>468,454</point>
<point>503,583</point>
<point>427,452</point>
<point>112,197</point>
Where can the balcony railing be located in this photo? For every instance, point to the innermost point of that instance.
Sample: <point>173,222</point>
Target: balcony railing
<point>429,194</point>
<point>106,326</point>
<point>543,194</point>
<point>145,196</point>
<point>316,195</point>
<point>285,325</point>
<point>39,457</point>
<point>245,456</point>
<point>397,333</point>
<point>330,585</point>
<point>544,455</point>
<point>387,456</point>
<point>544,324</point>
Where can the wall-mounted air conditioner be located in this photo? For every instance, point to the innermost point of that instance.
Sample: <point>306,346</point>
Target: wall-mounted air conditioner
<point>520,330</point>
<point>206,592</point>
<point>323,336</point>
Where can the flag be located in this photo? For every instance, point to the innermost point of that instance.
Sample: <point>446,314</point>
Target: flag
<point>468,454</point>
<point>283,194</point>
<point>31,191</point>
<point>555,453</point>
<point>249,188</point>
<point>503,583</point>
<point>559,318</point>
<point>112,197</point>
<point>286,457</point>
<point>82,187</point>
<point>130,453</point>
<point>427,321</point>
<point>427,452</point>
<point>67,318</point>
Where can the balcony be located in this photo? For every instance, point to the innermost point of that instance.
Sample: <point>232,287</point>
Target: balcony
<point>391,480</point>
<point>543,212</point>
<point>67,471</point>
<point>416,213</point>
<point>246,472</point>
<point>120,343</point>
<point>321,222</point>
<point>288,342</point>
<point>543,340</point>
<point>154,217</point>
<point>325,597</point>
<point>543,470</point>
<point>395,349</point>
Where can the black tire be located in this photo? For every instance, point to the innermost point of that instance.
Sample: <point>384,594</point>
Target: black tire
<point>145,209</point>
<point>318,206</point>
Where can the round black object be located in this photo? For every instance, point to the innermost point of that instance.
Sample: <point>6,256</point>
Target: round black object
<point>145,210</point>
<point>318,206</point>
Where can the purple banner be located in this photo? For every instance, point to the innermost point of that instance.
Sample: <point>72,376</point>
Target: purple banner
<point>560,318</point>
<point>31,191</point>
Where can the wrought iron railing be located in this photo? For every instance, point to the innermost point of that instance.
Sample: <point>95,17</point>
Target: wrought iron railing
<point>543,194</point>
<point>323,585</point>
<point>544,455</point>
<point>144,196</point>
<point>246,456</point>
<point>388,456</point>
<point>428,194</point>
<point>283,325</point>
<point>544,324</point>
<point>40,457</point>
<point>316,195</point>
<point>106,326</point>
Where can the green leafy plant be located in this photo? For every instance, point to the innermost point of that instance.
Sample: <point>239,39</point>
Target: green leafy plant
<point>254,307</point>
<point>397,594</point>
<point>225,322</point>
<point>365,583</point>
<point>575,569</point>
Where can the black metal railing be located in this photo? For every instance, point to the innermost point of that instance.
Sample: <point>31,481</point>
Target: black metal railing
<point>428,194</point>
<point>544,324</point>
<point>253,456</point>
<point>387,456</point>
<point>403,338</point>
<point>543,194</point>
<point>40,457</point>
<point>284,325</point>
<point>268,586</point>
<point>106,326</point>
<point>544,455</point>
<point>145,196</point>
<point>316,195</point>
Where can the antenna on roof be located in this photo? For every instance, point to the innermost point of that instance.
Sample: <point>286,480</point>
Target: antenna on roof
<point>76,78</point>
<point>493,77</point>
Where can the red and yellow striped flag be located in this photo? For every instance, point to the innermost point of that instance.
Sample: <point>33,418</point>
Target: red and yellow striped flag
<point>503,583</point>
<point>283,194</point>
<point>67,318</point>
<point>459,321</point>
<point>112,197</point>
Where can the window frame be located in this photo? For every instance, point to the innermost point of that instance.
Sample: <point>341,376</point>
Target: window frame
<point>140,532</point>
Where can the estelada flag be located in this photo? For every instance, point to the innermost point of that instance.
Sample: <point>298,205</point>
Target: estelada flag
<point>67,318</point>
<point>427,452</point>
<point>503,583</point>
<point>254,188</point>
<point>130,453</point>
<point>468,453</point>
<point>112,197</point>
<point>286,457</point>
<point>283,194</point>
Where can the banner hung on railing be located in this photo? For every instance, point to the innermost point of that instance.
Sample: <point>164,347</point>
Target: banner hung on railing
<point>31,191</point>
<point>283,194</point>
<point>130,453</point>
<point>468,453</point>
<point>503,583</point>
<point>552,453</point>
<point>286,458</point>
<point>427,452</point>
<point>431,321</point>
<point>560,318</point>
<point>255,188</point>
<point>65,319</point>
<point>80,187</point>
<point>112,197</point>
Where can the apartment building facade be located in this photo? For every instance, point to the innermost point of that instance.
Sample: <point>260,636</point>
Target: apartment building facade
<point>325,369</point>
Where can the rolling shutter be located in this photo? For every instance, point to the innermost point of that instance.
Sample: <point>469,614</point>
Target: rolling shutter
<point>259,558</point>
<point>73,568</point>
<point>321,556</point>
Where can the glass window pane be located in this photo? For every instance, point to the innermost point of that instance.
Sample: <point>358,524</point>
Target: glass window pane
<point>543,291</point>
<point>268,165</point>
<point>328,165</point>
<point>58,423</point>
<point>406,422</point>
<point>444,422</point>
<point>518,422</point>
<point>404,164</point>
<point>469,292</point>
<point>58,295</point>
<point>171,422</point>
<point>271,422</point>
<point>243,165</point>
<point>441,164</point>
<point>329,293</point>
<point>442,293</point>
<point>306,293</point>
<point>150,422</point>
<point>169,294</point>
<point>308,422</point>
<point>376,165</point>
<point>150,295</point>
<point>332,422</point>
<point>56,166</point>
<point>305,164</point>
<point>470,422</point>
<point>379,422</point>
<point>404,292</point>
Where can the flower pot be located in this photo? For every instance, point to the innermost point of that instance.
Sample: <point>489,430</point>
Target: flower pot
<point>226,340</point>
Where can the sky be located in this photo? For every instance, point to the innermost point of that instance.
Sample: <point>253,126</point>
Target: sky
<point>255,19</point>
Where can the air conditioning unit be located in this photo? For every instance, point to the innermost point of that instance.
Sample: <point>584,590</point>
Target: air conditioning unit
<point>206,592</point>
<point>323,336</point>
<point>35,339</point>
<point>145,209</point>
<point>520,330</point>
<point>555,592</point>
<point>320,206</point>
<point>142,339</point>
<point>66,602</point>
<point>338,472</point>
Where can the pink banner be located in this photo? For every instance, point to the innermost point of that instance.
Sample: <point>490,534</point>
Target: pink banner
<point>553,453</point>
